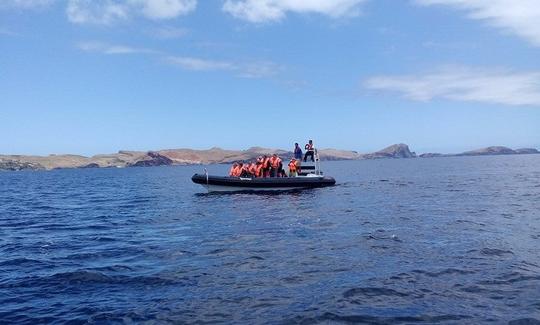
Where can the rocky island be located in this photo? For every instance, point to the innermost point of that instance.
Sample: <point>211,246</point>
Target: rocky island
<point>488,151</point>
<point>216,156</point>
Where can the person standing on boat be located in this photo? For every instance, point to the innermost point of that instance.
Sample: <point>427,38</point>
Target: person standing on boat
<point>310,151</point>
<point>274,165</point>
<point>297,152</point>
<point>298,155</point>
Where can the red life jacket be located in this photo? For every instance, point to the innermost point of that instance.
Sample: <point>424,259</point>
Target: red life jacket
<point>309,147</point>
<point>233,170</point>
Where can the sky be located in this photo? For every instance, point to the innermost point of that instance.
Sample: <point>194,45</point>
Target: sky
<point>98,76</point>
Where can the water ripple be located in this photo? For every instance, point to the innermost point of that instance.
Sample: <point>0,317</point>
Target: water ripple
<point>449,240</point>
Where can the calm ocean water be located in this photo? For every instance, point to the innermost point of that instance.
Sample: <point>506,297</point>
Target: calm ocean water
<point>444,240</point>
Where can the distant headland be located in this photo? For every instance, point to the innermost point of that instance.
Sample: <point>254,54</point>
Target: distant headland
<point>218,156</point>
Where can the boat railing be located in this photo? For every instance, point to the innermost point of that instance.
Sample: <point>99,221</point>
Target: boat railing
<point>314,168</point>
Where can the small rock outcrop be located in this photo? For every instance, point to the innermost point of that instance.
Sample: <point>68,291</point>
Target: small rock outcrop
<point>526,151</point>
<point>14,165</point>
<point>431,155</point>
<point>90,165</point>
<point>497,150</point>
<point>489,151</point>
<point>152,159</point>
<point>394,151</point>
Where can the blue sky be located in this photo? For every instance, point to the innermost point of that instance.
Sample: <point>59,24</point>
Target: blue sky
<point>87,77</point>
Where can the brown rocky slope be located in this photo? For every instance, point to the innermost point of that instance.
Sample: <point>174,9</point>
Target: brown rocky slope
<point>210,156</point>
<point>158,158</point>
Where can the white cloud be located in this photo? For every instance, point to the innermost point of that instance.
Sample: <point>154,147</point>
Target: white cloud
<point>261,69</point>
<point>105,48</point>
<point>109,11</point>
<point>272,10</point>
<point>190,63</point>
<point>164,9</point>
<point>460,83</point>
<point>252,69</point>
<point>96,12</point>
<point>521,17</point>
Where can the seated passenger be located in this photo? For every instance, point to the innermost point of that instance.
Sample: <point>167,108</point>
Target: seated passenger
<point>275,161</point>
<point>233,170</point>
<point>238,170</point>
<point>281,171</point>
<point>245,170</point>
<point>253,169</point>
<point>259,169</point>
<point>266,166</point>
<point>292,168</point>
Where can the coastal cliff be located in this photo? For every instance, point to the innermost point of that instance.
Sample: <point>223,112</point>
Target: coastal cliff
<point>180,157</point>
<point>217,156</point>
<point>14,165</point>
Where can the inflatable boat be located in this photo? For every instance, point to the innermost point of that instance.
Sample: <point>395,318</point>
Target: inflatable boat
<point>241,184</point>
<point>309,176</point>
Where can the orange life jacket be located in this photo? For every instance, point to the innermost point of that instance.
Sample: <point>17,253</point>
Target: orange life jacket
<point>274,162</point>
<point>253,169</point>
<point>237,171</point>
<point>266,163</point>
<point>309,147</point>
<point>233,170</point>
<point>292,166</point>
<point>259,170</point>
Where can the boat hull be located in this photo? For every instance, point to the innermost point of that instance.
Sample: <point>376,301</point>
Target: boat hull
<point>236,184</point>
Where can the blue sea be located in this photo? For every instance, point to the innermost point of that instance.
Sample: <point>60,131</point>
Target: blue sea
<point>443,240</point>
